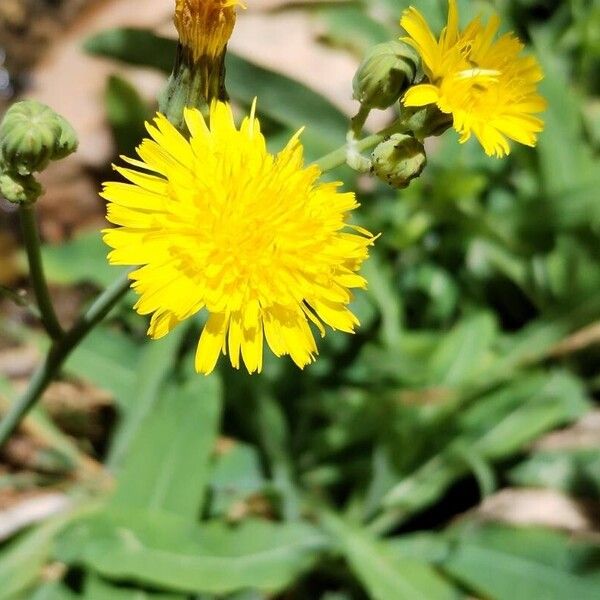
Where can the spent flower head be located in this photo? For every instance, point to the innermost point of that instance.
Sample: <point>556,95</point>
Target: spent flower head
<point>255,239</point>
<point>205,26</point>
<point>487,85</point>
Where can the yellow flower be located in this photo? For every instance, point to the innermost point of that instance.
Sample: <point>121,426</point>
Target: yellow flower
<point>218,223</point>
<point>205,26</point>
<point>486,84</point>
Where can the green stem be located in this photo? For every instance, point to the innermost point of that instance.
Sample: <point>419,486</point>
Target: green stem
<point>338,157</point>
<point>57,354</point>
<point>36,271</point>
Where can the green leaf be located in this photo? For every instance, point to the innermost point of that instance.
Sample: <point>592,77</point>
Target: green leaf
<point>53,591</point>
<point>97,588</point>
<point>504,563</point>
<point>236,474</point>
<point>289,103</point>
<point>107,359</point>
<point>566,161</point>
<point>138,47</point>
<point>22,561</point>
<point>275,438</point>
<point>168,552</point>
<point>126,112</point>
<point>576,472</point>
<point>496,427</point>
<point>152,366</point>
<point>83,259</point>
<point>167,465</point>
<point>465,351</point>
<point>384,576</point>
<point>386,298</point>
<point>350,27</point>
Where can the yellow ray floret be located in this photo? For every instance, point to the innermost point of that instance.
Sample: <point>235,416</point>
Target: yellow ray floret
<point>485,83</point>
<point>255,239</point>
<point>205,26</point>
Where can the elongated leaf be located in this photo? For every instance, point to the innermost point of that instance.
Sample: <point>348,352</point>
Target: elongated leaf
<point>465,351</point>
<point>21,562</point>
<point>236,474</point>
<point>570,172</point>
<point>153,365</point>
<point>384,576</point>
<point>274,433</point>
<point>520,564</point>
<point>97,588</point>
<point>126,112</point>
<point>82,259</point>
<point>107,359</point>
<point>506,563</point>
<point>496,427</point>
<point>167,466</point>
<point>168,552</point>
<point>349,27</point>
<point>574,471</point>
<point>53,591</point>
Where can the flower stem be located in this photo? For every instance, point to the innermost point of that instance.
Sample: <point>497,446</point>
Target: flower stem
<point>338,157</point>
<point>36,271</point>
<point>57,354</point>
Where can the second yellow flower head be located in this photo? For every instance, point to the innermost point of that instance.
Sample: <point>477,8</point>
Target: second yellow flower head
<point>486,84</point>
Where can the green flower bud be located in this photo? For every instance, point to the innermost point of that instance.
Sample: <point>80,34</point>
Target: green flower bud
<point>31,135</point>
<point>426,121</point>
<point>19,189</point>
<point>385,73</point>
<point>399,160</point>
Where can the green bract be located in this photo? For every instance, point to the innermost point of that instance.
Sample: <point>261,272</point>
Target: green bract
<point>426,121</point>
<point>19,189</point>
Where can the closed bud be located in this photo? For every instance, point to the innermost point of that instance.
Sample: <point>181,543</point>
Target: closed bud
<point>19,189</point>
<point>399,160</point>
<point>385,73</point>
<point>31,135</point>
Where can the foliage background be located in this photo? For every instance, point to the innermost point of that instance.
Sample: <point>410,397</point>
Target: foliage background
<point>412,460</point>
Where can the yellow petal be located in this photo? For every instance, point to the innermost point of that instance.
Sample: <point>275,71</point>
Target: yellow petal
<point>421,37</point>
<point>211,342</point>
<point>421,95</point>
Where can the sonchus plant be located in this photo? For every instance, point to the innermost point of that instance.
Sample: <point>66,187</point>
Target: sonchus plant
<point>259,242</point>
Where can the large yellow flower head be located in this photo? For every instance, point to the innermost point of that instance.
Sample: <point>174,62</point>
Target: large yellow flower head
<point>219,223</point>
<point>486,84</point>
<point>205,26</point>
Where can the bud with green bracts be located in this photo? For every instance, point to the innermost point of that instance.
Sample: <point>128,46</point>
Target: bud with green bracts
<point>399,160</point>
<point>192,84</point>
<point>386,72</point>
<point>31,135</point>
<point>426,121</point>
<point>19,189</point>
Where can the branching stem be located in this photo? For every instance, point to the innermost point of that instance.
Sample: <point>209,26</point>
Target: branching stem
<point>58,353</point>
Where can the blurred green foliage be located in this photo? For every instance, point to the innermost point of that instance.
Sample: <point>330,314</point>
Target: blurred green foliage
<point>338,483</point>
